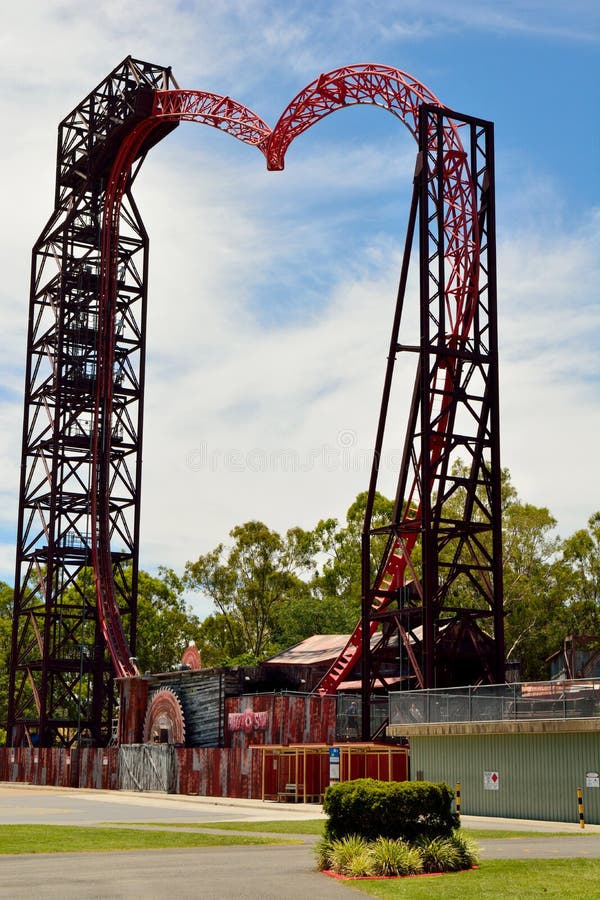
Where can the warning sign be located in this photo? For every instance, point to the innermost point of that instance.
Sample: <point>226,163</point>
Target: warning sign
<point>491,781</point>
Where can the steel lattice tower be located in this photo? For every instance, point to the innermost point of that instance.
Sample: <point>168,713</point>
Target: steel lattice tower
<point>61,679</point>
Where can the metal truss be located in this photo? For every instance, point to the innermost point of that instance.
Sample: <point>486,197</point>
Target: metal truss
<point>78,528</point>
<point>442,564</point>
<point>74,624</point>
<point>60,676</point>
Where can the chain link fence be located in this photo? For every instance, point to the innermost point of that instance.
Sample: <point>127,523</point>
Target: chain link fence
<point>497,702</point>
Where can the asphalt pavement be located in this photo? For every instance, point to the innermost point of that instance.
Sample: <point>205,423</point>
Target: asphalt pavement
<point>213,873</point>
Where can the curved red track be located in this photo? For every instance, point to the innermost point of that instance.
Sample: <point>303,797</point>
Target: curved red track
<point>199,106</point>
<point>383,86</point>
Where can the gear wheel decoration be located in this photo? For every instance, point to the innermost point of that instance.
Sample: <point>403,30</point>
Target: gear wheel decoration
<point>191,657</point>
<point>164,722</point>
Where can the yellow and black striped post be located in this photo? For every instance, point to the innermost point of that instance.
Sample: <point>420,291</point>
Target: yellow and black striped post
<point>458,798</point>
<point>580,807</point>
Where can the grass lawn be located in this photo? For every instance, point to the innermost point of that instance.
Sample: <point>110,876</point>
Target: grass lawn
<point>487,834</point>
<point>309,826</point>
<point>501,879</point>
<point>74,839</point>
<point>315,826</point>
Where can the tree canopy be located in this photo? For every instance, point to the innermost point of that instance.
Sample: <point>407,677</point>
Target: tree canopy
<point>269,590</point>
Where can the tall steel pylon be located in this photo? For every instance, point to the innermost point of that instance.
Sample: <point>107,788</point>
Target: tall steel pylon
<point>61,678</point>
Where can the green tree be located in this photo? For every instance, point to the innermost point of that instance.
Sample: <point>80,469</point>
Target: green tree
<point>251,581</point>
<point>340,575</point>
<point>331,602</point>
<point>532,575</point>
<point>533,586</point>
<point>220,640</point>
<point>165,622</point>
<point>6,603</point>
<point>581,580</point>
<point>306,613</point>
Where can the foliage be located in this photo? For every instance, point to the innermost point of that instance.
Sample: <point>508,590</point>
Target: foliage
<point>532,585</point>
<point>250,582</point>
<point>360,864</point>
<point>356,857</point>
<point>165,624</point>
<point>323,853</point>
<point>6,600</point>
<point>220,640</point>
<point>439,855</point>
<point>270,591</point>
<point>350,856</point>
<point>393,858</point>
<point>467,849</point>
<point>339,578</point>
<point>581,557</point>
<point>551,587</point>
<point>373,809</point>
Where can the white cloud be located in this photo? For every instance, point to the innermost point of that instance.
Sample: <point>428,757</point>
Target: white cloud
<point>271,295</point>
<point>550,372</point>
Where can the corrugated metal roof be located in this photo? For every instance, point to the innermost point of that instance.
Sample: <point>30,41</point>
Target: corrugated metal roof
<point>320,648</point>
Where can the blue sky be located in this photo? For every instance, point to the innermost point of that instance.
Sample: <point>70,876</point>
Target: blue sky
<point>271,294</point>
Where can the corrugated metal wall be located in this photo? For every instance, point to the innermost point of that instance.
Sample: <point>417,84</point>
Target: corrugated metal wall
<point>233,771</point>
<point>291,719</point>
<point>222,772</point>
<point>537,774</point>
<point>86,768</point>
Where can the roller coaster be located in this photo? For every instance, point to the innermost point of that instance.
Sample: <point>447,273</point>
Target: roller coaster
<point>79,511</point>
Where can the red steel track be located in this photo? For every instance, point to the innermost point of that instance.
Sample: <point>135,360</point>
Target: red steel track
<point>382,86</point>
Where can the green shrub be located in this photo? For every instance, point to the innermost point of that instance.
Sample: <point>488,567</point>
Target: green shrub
<point>372,809</point>
<point>323,851</point>
<point>343,852</point>
<point>467,848</point>
<point>354,857</point>
<point>360,864</point>
<point>439,855</point>
<point>395,858</point>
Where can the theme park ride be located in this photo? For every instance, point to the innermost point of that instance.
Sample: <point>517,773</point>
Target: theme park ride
<point>438,585</point>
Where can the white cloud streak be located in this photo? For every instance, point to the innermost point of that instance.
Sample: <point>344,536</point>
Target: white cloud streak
<point>271,295</point>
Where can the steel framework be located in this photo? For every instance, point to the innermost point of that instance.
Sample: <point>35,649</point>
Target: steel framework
<point>81,464</point>
<point>447,611</point>
<point>60,678</point>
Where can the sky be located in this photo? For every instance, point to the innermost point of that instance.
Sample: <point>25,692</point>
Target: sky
<point>271,295</point>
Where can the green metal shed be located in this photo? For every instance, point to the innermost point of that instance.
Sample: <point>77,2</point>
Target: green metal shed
<point>524,770</point>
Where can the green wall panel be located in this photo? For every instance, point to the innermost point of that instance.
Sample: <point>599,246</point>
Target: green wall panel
<point>538,774</point>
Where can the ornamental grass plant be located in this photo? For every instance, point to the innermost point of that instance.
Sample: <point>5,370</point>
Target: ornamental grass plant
<point>354,857</point>
<point>345,851</point>
<point>467,848</point>
<point>394,858</point>
<point>439,855</point>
